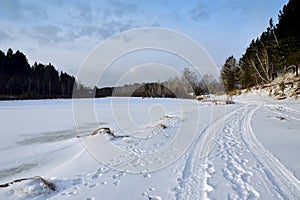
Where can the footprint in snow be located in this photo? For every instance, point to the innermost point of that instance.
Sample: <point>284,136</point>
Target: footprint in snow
<point>70,193</point>
<point>118,175</point>
<point>77,181</point>
<point>117,182</point>
<point>150,196</point>
<point>146,175</point>
<point>99,172</point>
<point>93,185</point>
<point>95,176</point>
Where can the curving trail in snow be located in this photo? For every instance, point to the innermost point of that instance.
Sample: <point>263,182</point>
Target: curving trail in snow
<point>193,180</point>
<point>239,168</point>
<point>282,180</point>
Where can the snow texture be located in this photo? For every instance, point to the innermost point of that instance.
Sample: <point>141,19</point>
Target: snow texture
<point>247,150</point>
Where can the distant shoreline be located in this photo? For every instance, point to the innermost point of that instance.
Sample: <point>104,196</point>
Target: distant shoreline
<point>54,98</point>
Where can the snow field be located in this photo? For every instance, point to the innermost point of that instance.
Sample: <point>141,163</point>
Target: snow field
<point>243,151</point>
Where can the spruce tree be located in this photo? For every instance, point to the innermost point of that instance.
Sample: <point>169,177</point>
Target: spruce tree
<point>229,74</point>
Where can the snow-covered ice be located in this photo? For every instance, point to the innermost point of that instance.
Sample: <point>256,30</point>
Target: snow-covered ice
<point>175,149</point>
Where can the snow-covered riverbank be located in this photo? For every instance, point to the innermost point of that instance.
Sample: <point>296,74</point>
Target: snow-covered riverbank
<point>246,150</point>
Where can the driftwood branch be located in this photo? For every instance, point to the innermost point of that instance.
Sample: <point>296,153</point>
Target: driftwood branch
<point>50,185</point>
<point>104,130</point>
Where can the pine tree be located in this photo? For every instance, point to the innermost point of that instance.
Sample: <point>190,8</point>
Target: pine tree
<point>229,74</point>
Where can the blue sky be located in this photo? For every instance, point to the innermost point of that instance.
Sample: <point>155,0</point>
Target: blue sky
<point>64,32</point>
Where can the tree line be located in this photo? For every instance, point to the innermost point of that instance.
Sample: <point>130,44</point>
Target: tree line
<point>188,85</point>
<point>19,80</point>
<point>275,52</point>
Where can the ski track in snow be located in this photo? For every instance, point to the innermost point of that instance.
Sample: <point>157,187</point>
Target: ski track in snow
<point>193,180</point>
<point>236,170</point>
<point>234,141</point>
<point>282,180</point>
<point>194,176</point>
